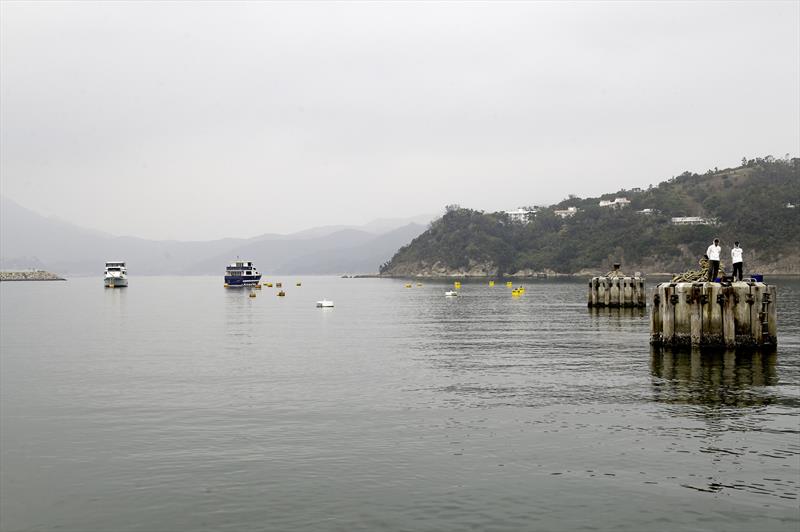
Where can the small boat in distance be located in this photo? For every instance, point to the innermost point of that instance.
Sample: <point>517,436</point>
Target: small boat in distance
<point>451,293</point>
<point>241,273</point>
<point>324,304</point>
<point>116,275</point>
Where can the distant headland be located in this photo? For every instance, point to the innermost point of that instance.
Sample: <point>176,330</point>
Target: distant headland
<point>664,228</point>
<point>31,275</point>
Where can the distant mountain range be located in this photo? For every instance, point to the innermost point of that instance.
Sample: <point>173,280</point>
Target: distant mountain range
<point>30,240</point>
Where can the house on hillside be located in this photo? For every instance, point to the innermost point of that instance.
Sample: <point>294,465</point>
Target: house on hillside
<point>618,203</point>
<point>648,212</point>
<point>693,220</point>
<point>569,212</point>
<point>522,214</point>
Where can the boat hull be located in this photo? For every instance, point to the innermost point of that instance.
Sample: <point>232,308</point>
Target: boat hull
<point>235,280</point>
<point>115,282</point>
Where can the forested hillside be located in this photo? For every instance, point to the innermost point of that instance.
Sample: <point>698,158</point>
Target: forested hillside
<point>749,204</point>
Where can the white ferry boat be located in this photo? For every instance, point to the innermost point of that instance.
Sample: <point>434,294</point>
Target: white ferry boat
<point>116,274</point>
<point>241,273</point>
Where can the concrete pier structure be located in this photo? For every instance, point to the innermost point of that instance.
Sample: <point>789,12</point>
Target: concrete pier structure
<point>713,314</point>
<point>617,292</point>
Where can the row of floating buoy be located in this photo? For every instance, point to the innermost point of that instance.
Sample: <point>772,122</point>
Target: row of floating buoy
<point>320,304</point>
<point>258,286</point>
<point>515,292</point>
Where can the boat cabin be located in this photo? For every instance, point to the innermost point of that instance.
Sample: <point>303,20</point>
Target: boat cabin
<point>115,266</point>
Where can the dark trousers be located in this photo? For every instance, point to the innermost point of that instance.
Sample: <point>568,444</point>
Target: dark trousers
<point>737,270</point>
<point>713,268</point>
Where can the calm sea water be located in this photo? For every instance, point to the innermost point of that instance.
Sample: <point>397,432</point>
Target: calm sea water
<point>178,405</point>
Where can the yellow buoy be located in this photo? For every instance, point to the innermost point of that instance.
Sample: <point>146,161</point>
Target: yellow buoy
<point>226,285</point>
<point>252,294</point>
<point>491,283</point>
<point>509,284</point>
<point>408,286</point>
<point>269,285</point>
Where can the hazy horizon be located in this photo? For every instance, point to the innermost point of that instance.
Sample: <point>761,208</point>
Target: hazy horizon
<point>193,121</point>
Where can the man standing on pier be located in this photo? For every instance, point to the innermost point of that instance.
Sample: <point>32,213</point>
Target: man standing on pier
<point>736,260</point>
<point>713,252</point>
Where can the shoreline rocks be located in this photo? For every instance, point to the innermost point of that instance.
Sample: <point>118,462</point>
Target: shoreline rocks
<point>33,275</point>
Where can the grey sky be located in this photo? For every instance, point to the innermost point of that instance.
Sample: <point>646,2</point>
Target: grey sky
<point>202,120</point>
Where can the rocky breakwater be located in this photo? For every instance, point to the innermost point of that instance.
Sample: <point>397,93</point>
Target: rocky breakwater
<point>34,275</point>
<point>438,269</point>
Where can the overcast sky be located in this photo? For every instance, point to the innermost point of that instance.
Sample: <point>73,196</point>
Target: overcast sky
<point>201,120</point>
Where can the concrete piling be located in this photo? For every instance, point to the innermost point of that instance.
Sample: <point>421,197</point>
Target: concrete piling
<point>617,292</point>
<point>712,314</point>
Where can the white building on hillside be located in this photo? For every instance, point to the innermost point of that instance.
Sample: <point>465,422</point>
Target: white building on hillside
<point>692,220</point>
<point>569,212</point>
<point>522,215</point>
<point>618,203</point>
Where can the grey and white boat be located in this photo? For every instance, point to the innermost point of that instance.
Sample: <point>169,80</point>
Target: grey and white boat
<point>116,274</point>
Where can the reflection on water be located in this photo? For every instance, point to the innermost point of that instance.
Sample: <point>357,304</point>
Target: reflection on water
<point>617,313</point>
<point>731,378</point>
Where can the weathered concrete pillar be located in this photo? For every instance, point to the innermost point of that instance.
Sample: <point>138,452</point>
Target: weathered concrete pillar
<point>682,327</point>
<point>668,313</point>
<point>728,302</point>
<point>627,292</point>
<point>656,323</point>
<point>772,314</point>
<point>709,314</point>
<point>593,285</point>
<point>754,301</point>
<point>614,292</point>
<point>696,313</point>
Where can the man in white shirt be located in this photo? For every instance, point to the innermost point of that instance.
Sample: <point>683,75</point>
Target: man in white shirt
<point>736,260</point>
<point>713,252</point>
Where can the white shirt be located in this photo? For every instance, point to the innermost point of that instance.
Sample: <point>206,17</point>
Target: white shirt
<point>713,252</point>
<point>736,255</point>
